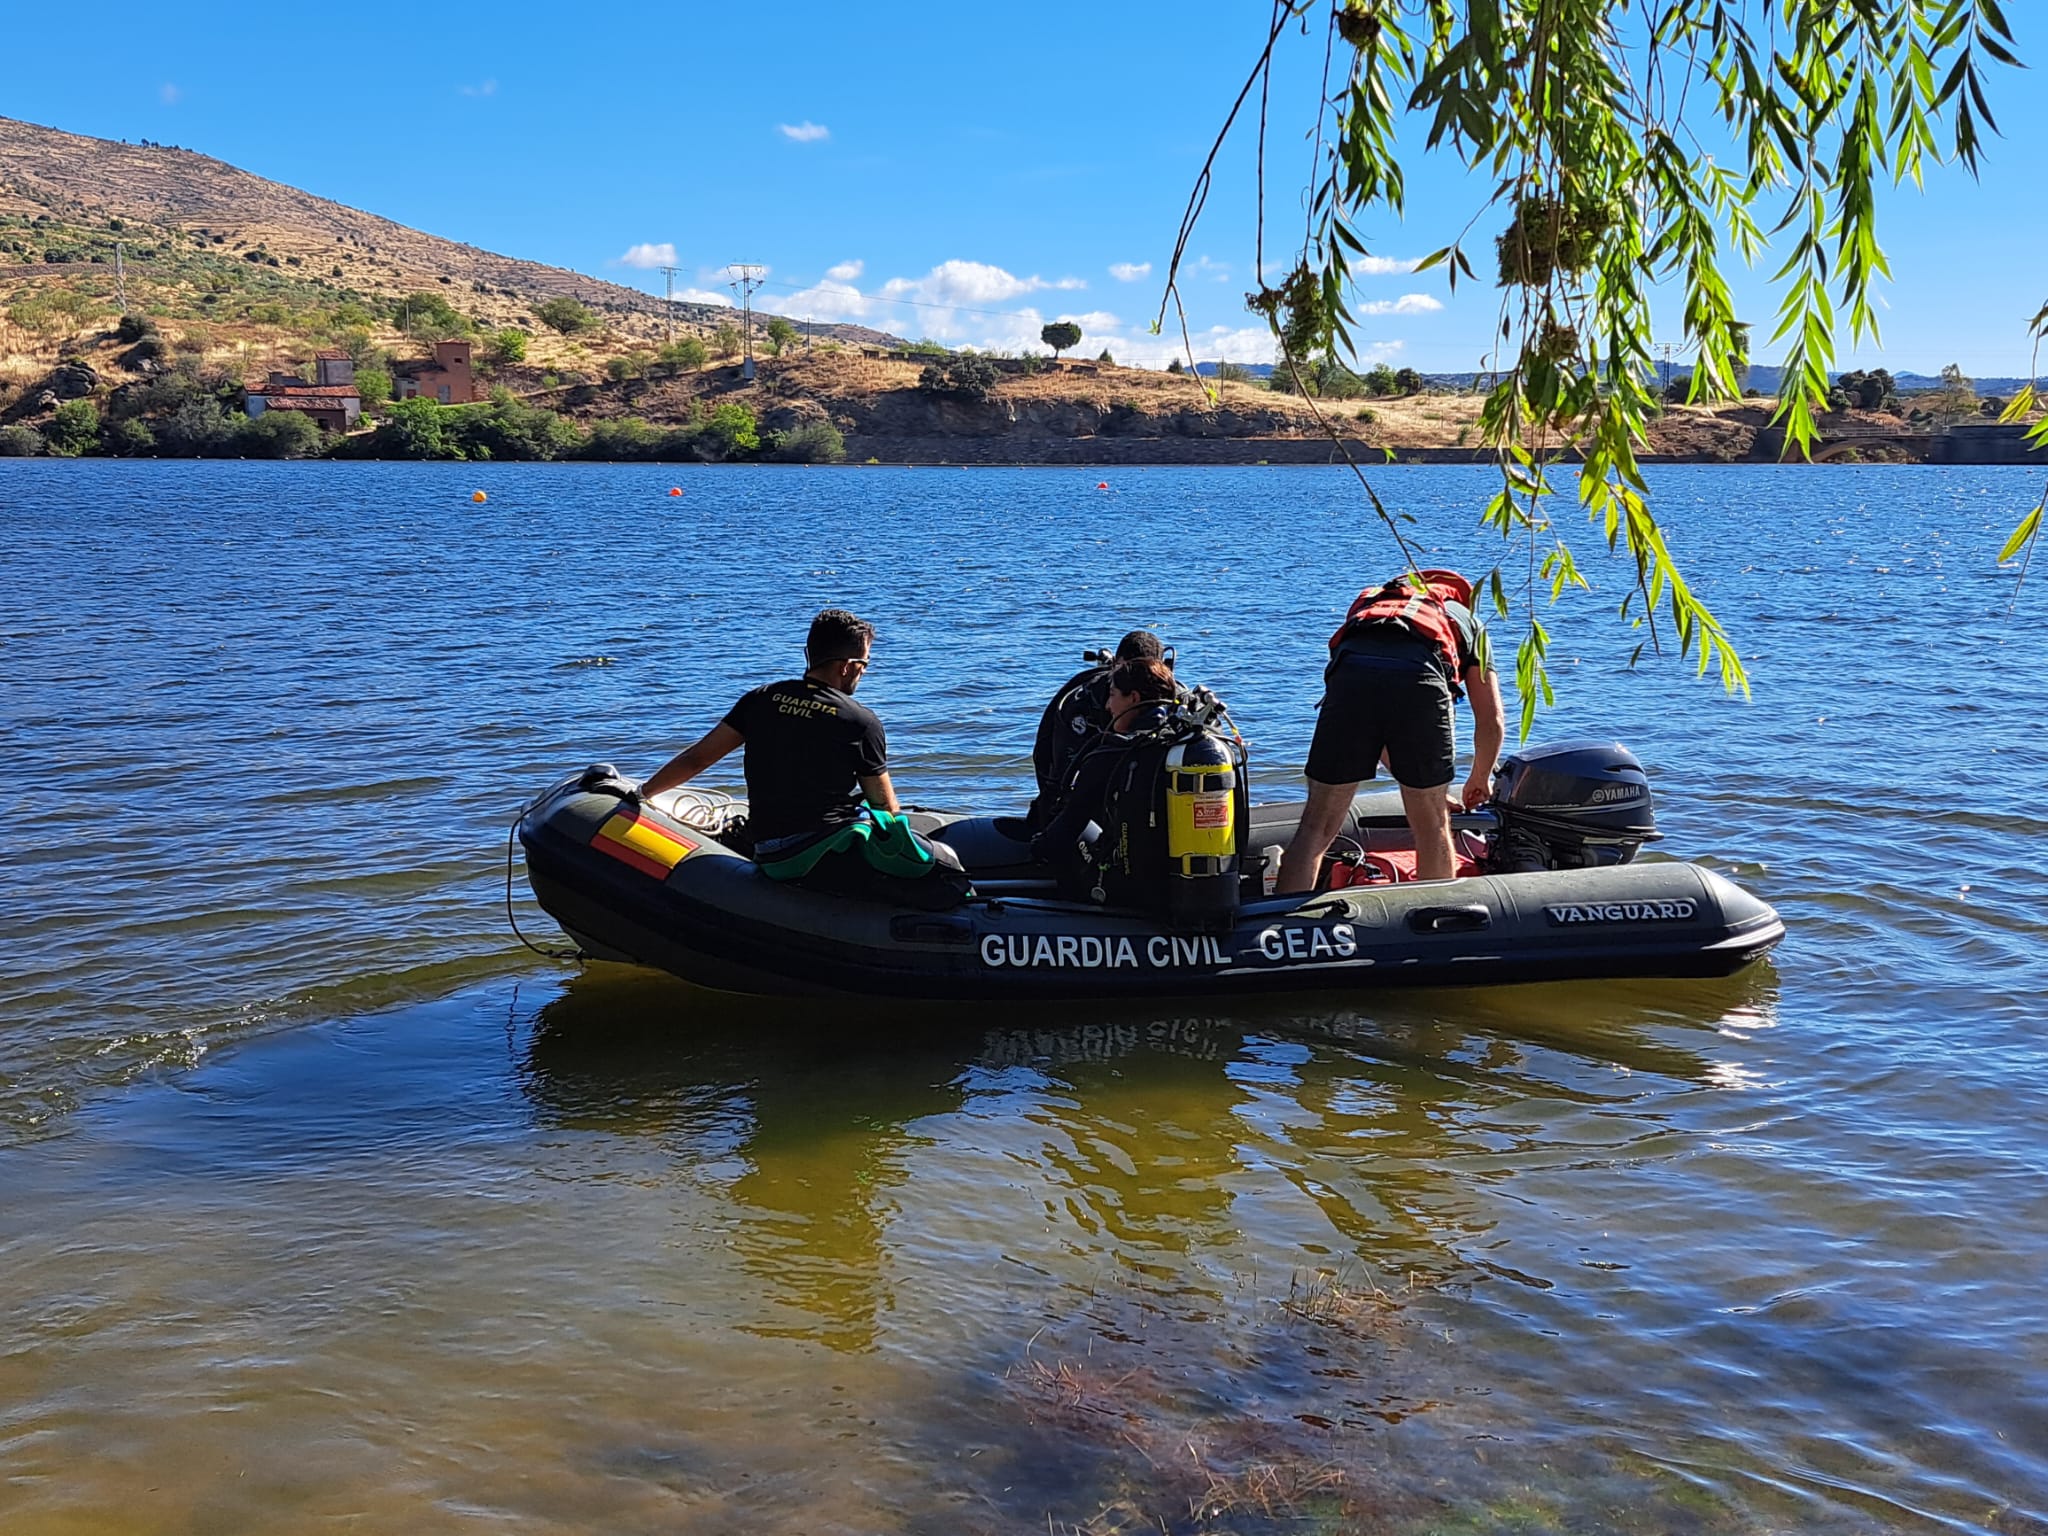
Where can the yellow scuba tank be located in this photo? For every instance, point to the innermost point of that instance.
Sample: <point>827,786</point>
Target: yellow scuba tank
<point>1204,786</point>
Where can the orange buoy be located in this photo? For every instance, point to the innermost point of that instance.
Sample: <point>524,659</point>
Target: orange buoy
<point>1102,485</point>
<point>478,496</point>
<point>675,490</point>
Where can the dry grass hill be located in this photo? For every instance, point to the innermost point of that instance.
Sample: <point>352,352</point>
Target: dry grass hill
<point>239,275</point>
<point>259,267</point>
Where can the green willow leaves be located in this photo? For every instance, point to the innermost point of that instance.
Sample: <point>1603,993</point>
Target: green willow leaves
<point>1621,147</point>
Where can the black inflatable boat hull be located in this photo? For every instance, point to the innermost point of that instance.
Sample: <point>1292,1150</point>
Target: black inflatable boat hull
<point>682,902</point>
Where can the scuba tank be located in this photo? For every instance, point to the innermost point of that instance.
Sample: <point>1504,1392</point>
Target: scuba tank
<point>1174,820</point>
<point>1202,786</point>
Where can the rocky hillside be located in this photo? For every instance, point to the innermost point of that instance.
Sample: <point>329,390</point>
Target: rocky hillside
<point>188,222</point>
<point>1092,413</point>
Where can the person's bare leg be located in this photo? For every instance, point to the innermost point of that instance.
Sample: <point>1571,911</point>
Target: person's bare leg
<point>1321,819</point>
<point>1429,818</point>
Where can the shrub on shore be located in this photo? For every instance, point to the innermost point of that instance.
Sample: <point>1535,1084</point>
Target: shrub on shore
<point>278,435</point>
<point>966,377</point>
<point>74,430</point>
<point>815,442</point>
<point>19,442</point>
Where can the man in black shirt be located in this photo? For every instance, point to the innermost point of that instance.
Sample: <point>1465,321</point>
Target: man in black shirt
<point>814,758</point>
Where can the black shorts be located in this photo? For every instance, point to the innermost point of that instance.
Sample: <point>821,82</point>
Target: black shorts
<point>1396,703</point>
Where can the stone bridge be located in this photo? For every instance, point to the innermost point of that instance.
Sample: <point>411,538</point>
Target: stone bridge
<point>1987,442</point>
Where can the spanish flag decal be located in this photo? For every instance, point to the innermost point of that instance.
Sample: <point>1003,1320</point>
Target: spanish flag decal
<point>634,840</point>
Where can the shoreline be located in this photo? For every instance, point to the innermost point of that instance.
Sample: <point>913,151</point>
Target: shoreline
<point>1284,454</point>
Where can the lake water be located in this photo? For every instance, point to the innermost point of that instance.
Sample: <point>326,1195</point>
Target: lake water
<point>328,1207</point>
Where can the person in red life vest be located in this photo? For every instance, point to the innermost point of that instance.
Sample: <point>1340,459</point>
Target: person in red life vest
<point>1397,665</point>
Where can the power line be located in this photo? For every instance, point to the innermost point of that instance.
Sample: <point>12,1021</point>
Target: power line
<point>746,277</point>
<point>668,297</point>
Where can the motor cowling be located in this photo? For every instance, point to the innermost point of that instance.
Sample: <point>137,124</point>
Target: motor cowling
<point>1577,805</point>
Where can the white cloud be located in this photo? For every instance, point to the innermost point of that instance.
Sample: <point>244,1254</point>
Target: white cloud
<point>169,94</point>
<point>806,132</point>
<point>488,88</point>
<point>1237,344</point>
<point>1382,266</point>
<point>969,284</point>
<point>648,257</point>
<point>1407,304</point>
<point>832,299</point>
<point>703,296</point>
<point>845,271</point>
<point>1130,271</point>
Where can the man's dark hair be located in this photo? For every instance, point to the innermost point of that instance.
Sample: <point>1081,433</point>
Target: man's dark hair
<point>1143,677</point>
<point>837,635</point>
<point>1139,642</point>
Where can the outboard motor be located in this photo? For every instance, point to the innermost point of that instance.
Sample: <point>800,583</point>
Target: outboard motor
<point>1578,805</point>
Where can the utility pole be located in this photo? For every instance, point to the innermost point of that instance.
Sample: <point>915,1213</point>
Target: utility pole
<point>120,280</point>
<point>746,277</point>
<point>1668,350</point>
<point>668,308</point>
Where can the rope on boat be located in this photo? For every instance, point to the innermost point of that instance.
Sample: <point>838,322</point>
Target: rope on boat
<point>511,917</point>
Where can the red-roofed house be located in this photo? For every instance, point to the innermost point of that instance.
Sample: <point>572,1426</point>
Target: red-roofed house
<point>333,402</point>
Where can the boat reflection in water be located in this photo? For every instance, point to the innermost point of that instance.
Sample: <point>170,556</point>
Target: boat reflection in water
<point>836,1135</point>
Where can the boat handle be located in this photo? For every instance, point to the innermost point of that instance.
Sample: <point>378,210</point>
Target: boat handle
<point>1450,919</point>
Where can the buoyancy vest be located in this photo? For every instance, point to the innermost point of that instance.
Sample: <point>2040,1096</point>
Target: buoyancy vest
<point>1173,823</point>
<point>1417,609</point>
<point>1070,721</point>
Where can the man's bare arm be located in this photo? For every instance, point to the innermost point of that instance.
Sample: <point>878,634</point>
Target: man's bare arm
<point>1489,730</point>
<point>880,792</point>
<point>693,759</point>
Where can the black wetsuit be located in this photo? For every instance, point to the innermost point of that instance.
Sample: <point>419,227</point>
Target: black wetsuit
<point>1076,714</point>
<point>1109,768</point>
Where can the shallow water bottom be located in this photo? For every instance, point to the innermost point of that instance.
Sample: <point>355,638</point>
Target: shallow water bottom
<point>612,1254</point>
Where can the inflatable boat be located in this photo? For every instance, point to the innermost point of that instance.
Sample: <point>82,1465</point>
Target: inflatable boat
<point>1551,890</point>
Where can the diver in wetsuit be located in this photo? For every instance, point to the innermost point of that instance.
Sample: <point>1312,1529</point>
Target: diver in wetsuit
<point>1077,713</point>
<point>1090,846</point>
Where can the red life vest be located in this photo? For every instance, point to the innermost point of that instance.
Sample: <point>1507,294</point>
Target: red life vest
<point>1419,612</point>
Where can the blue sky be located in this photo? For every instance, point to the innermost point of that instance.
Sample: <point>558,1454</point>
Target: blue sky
<point>962,172</point>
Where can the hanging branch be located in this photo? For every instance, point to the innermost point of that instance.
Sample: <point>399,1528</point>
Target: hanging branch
<point>1587,120</point>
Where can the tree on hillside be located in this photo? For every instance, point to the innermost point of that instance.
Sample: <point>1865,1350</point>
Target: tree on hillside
<point>1957,395</point>
<point>1060,335</point>
<point>725,341</point>
<point>564,315</point>
<point>687,352</point>
<point>74,429</point>
<point>508,346</point>
<point>429,317</point>
<point>373,384</point>
<point>360,346</point>
<point>780,334</point>
<point>1612,150</point>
